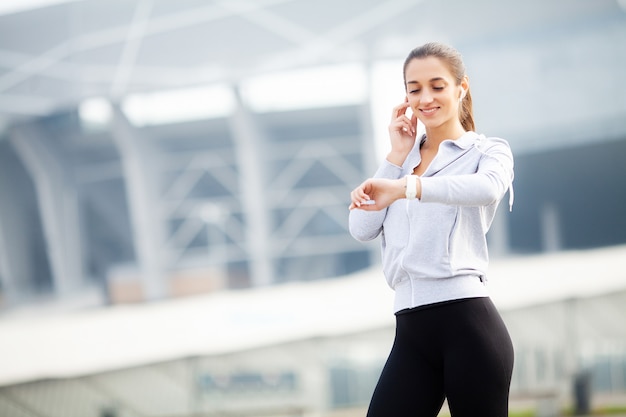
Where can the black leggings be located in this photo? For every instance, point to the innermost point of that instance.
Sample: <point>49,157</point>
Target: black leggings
<point>459,350</point>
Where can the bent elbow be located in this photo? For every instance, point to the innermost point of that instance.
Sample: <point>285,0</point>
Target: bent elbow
<point>363,231</point>
<point>363,235</point>
<point>496,191</point>
<point>493,196</point>
<point>365,226</point>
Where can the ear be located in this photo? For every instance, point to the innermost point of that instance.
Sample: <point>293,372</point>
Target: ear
<point>464,87</point>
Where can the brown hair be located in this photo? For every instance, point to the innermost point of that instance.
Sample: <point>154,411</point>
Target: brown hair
<point>452,58</point>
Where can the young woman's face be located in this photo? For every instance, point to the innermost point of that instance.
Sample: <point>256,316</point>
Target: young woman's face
<point>432,92</point>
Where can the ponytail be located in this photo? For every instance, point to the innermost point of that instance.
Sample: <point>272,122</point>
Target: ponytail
<point>466,113</point>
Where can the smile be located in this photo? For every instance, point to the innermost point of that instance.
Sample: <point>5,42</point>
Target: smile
<point>429,111</point>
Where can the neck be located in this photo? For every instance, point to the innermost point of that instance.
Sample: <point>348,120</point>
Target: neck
<point>436,135</point>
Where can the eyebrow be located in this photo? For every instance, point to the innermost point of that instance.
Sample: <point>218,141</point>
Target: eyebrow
<point>431,80</point>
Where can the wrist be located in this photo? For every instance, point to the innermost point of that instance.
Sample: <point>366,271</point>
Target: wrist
<point>396,158</point>
<point>400,189</point>
<point>410,187</point>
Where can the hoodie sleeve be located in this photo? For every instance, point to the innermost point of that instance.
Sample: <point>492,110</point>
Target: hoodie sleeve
<point>488,185</point>
<point>367,225</point>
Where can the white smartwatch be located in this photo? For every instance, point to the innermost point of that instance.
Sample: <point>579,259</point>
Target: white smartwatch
<point>411,187</point>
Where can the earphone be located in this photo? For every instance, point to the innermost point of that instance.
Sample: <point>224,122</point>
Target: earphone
<point>463,93</point>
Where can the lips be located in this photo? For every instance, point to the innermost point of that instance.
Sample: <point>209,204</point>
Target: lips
<point>428,112</point>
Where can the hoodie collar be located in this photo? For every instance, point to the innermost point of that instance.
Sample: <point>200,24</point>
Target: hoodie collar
<point>467,140</point>
<point>464,142</point>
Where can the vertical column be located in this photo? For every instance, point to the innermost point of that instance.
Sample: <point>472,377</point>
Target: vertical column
<point>571,311</point>
<point>368,146</point>
<point>248,141</point>
<point>58,206</point>
<point>550,227</point>
<point>7,273</point>
<point>314,378</point>
<point>499,232</point>
<point>6,276</point>
<point>141,191</point>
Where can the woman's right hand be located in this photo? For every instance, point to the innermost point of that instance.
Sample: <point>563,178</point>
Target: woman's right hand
<point>402,133</point>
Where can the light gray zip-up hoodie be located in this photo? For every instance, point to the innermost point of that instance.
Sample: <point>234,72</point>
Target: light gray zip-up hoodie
<point>434,249</point>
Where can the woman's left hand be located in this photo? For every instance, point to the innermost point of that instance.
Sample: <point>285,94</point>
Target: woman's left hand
<point>376,194</point>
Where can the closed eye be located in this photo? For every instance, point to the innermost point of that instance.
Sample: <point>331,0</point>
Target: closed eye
<point>417,90</point>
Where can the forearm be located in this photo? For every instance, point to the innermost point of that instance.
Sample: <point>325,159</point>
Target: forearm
<point>478,189</point>
<point>487,185</point>
<point>396,158</point>
<point>388,170</point>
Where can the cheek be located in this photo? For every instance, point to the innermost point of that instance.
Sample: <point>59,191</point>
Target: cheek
<point>413,102</point>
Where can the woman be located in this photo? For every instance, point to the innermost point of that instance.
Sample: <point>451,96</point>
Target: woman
<point>432,202</point>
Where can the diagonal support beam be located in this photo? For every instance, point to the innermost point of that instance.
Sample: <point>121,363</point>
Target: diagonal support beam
<point>111,36</point>
<point>269,21</point>
<point>313,51</point>
<point>131,48</point>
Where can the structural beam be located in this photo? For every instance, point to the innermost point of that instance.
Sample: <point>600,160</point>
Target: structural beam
<point>550,222</point>
<point>7,277</point>
<point>248,142</point>
<point>58,206</point>
<point>138,165</point>
<point>368,146</point>
<point>499,232</point>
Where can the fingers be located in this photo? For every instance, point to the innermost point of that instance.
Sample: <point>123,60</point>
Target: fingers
<point>361,206</point>
<point>365,205</point>
<point>358,197</point>
<point>414,124</point>
<point>401,122</point>
<point>399,110</point>
<point>359,200</point>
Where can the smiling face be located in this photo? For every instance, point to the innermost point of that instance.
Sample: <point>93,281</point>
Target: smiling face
<point>433,93</point>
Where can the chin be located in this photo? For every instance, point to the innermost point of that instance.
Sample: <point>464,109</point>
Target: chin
<point>434,123</point>
<point>431,124</point>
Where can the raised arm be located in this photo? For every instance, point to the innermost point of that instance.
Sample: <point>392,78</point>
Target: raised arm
<point>484,187</point>
<point>488,185</point>
<point>367,225</point>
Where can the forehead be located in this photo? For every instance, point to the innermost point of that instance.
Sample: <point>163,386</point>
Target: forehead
<point>423,70</point>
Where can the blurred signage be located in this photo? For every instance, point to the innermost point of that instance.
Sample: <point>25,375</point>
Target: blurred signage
<point>249,382</point>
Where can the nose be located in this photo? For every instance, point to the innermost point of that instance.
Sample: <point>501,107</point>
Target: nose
<point>426,96</point>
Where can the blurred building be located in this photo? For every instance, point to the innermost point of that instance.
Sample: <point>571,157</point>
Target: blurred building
<point>311,348</point>
<point>113,179</point>
<point>153,150</point>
